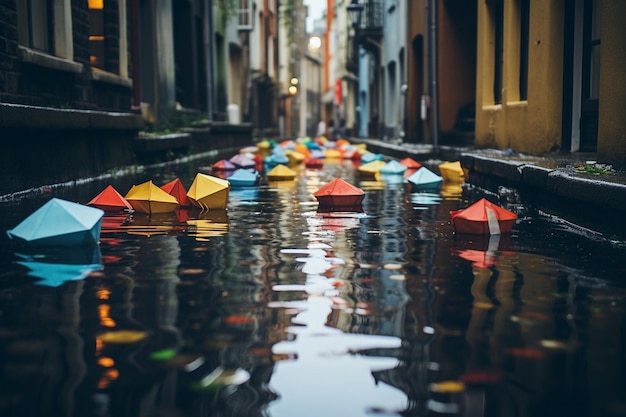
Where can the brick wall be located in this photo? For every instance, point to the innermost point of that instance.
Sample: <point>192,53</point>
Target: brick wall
<point>33,84</point>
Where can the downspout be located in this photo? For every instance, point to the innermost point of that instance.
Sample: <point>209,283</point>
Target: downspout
<point>432,61</point>
<point>136,104</point>
<point>208,47</point>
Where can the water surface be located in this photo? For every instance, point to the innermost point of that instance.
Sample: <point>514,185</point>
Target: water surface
<point>273,308</point>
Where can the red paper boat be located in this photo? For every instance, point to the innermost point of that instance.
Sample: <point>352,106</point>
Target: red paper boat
<point>110,200</point>
<point>177,189</point>
<point>339,194</point>
<point>313,163</point>
<point>411,163</point>
<point>483,217</point>
<point>223,165</point>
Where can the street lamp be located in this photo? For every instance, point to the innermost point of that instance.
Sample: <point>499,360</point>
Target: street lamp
<point>355,11</point>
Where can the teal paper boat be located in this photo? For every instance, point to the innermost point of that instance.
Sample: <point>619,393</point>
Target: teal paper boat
<point>424,178</point>
<point>53,268</point>
<point>60,222</point>
<point>243,178</point>
<point>393,167</point>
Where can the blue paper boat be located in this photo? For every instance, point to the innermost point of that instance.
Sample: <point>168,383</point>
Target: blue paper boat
<point>424,178</point>
<point>243,178</point>
<point>370,156</point>
<point>393,167</point>
<point>54,268</point>
<point>60,222</point>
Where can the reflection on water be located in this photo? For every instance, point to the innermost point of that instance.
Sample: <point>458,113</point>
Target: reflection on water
<point>272,308</point>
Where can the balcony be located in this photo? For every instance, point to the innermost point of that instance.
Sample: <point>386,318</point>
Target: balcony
<point>367,20</point>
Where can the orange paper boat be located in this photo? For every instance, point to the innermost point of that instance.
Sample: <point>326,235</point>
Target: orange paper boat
<point>110,200</point>
<point>177,189</point>
<point>483,217</point>
<point>148,198</point>
<point>339,194</point>
<point>209,192</point>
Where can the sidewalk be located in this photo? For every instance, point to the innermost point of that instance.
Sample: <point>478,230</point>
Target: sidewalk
<point>558,181</point>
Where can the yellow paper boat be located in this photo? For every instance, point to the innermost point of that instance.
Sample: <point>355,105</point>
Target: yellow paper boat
<point>209,192</point>
<point>148,198</point>
<point>371,169</point>
<point>281,173</point>
<point>452,171</point>
<point>294,157</point>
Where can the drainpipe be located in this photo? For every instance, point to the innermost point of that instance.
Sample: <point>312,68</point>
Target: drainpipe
<point>134,16</point>
<point>432,61</point>
<point>208,47</point>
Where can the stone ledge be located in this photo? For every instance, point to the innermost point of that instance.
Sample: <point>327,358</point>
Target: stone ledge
<point>144,144</point>
<point>36,117</point>
<point>587,190</point>
<point>509,170</point>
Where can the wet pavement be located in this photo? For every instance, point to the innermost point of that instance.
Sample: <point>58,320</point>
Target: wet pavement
<point>559,183</point>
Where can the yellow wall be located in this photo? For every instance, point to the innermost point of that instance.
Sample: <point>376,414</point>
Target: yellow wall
<point>612,103</point>
<point>534,125</point>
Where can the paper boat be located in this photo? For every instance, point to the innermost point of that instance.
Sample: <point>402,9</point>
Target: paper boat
<point>243,161</point>
<point>410,163</point>
<point>110,200</point>
<point>339,194</point>
<point>60,222</point>
<point>451,171</point>
<point>393,167</point>
<point>370,156</point>
<point>371,169</point>
<point>313,163</point>
<point>333,154</point>
<point>209,192</point>
<point>243,178</point>
<point>148,198</point>
<point>223,165</point>
<point>424,178</point>
<point>483,217</point>
<point>177,189</point>
<point>281,173</point>
<point>273,160</point>
<point>294,157</point>
<point>54,267</point>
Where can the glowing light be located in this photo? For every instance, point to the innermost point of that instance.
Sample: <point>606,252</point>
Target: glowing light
<point>96,4</point>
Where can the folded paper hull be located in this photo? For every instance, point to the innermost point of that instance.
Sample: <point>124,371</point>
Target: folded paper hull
<point>452,171</point>
<point>148,198</point>
<point>208,192</point>
<point>481,227</point>
<point>243,178</point>
<point>483,217</point>
<point>340,201</point>
<point>110,200</point>
<point>177,189</point>
<point>281,173</point>
<point>338,194</point>
<point>424,179</point>
<point>60,222</point>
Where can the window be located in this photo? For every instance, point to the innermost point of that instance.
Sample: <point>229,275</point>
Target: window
<point>96,33</point>
<point>245,15</point>
<point>46,26</point>
<point>107,36</point>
